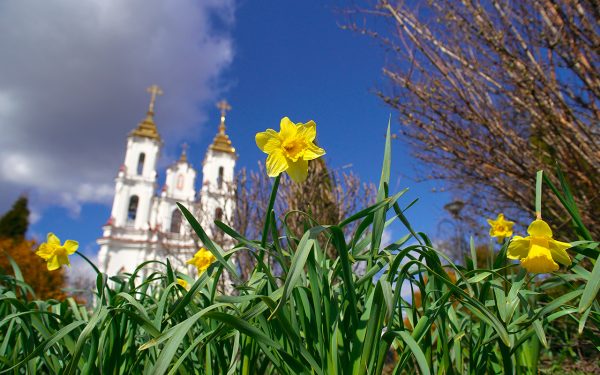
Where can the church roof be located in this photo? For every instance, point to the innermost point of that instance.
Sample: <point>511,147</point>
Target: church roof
<point>147,128</point>
<point>222,142</point>
<point>183,156</point>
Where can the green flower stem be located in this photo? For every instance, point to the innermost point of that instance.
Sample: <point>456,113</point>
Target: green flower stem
<point>507,362</point>
<point>89,262</point>
<point>265,233</point>
<point>538,195</point>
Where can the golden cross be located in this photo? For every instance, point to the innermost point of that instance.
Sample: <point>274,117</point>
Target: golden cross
<point>224,107</point>
<point>154,90</point>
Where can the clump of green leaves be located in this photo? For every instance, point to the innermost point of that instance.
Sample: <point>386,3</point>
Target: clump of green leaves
<point>307,310</point>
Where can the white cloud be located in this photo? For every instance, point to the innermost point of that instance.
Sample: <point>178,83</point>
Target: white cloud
<point>72,86</point>
<point>7,104</point>
<point>34,217</point>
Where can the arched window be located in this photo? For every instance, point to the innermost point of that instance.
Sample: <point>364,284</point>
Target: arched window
<point>180,182</point>
<point>219,214</point>
<point>176,221</point>
<point>220,178</point>
<point>132,208</point>
<point>140,166</point>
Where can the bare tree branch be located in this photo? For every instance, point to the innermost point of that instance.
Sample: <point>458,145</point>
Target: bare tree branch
<point>489,92</point>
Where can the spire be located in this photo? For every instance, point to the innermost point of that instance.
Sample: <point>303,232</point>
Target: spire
<point>222,141</point>
<point>154,90</point>
<point>147,128</point>
<point>183,156</point>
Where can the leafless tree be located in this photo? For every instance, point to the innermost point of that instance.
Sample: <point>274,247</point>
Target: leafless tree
<point>489,92</point>
<point>81,286</point>
<point>327,196</point>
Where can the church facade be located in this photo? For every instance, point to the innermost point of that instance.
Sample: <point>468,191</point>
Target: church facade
<point>146,224</point>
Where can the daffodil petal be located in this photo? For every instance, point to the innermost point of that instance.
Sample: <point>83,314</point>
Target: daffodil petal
<point>298,170</point>
<point>308,131</point>
<point>539,228</point>
<point>63,259</point>
<point>44,251</point>
<point>182,282</point>
<point>288,128</point>
<point>276,163</point>
<point>71,246</point>
<point>559,252</point>
<point>53,263</point>
<point>52,239</point>
<point>312,152</point>
<point>500,227</point>
<point>202,260</point>
<point>518,248</point>
<point>268,141</point>
<point>539,260</point>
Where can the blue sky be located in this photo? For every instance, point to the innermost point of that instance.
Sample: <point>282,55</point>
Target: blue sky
<point>278,59</point>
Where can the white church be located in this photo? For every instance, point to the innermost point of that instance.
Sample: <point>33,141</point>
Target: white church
<point>146,224</point>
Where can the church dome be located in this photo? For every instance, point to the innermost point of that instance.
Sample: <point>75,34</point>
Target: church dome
<point>147,128</point>
<point>222,142</point>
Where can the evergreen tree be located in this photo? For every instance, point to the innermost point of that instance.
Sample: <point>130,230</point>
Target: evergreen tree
<point>14,223</point>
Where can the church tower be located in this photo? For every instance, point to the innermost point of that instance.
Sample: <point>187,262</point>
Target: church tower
<point>146,226</point>
<point>126,238</point>
<point>218,191</point>
<point>136,181</point>
<point>179,188</point>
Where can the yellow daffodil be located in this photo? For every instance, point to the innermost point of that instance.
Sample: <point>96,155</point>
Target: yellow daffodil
<point>182,282</point>
<point>539,252</point>
<point>56,254</point>
<point>500,228</point>
<point>202,259</point>
<point>290,149</point>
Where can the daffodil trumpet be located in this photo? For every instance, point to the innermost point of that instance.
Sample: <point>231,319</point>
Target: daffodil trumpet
<point>539,252</point>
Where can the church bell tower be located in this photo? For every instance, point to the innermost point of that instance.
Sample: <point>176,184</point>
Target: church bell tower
<point>218,191</point>
<point>136,180</point>
<point>126,238</point>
